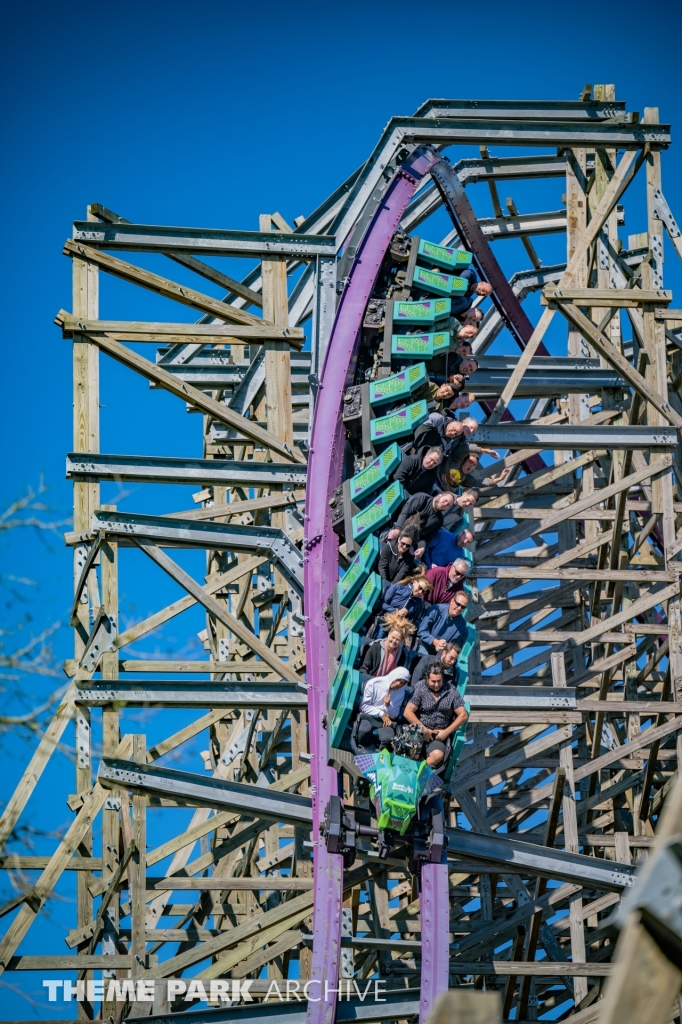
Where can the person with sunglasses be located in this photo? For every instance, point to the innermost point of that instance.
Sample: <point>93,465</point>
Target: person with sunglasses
<point>408,596</point>
<point>447,580</point>
<point>396,558</point>
<point>443,624</point>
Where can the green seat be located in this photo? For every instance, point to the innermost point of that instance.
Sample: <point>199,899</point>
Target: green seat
<point>339,680</point>
<point>441,342</point>
<point>376,474</point>
<point>358,570</point>
<point>443,256</point>
<point>459,737</point>
<point>438,282</point>
<point>398,424</point>
<point>421,313</point>
<point>350,649</point>
<point>378,512</point>
<point>362,607</point>
<point>458,741</point>
<point>419,346</point>
<point>344,709</point>
<point>399,385</point>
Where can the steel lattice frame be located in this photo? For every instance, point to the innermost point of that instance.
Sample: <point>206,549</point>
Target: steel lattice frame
<point>580,681</point>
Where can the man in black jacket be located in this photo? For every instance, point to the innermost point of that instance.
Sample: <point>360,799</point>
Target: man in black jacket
<point>426,512</point>
<point>419,472</point>
<point>447,659</point>
<point>396,558</point>
<point>438,432</point>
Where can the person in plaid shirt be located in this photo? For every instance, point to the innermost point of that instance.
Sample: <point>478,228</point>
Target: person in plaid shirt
<point>440,711</point>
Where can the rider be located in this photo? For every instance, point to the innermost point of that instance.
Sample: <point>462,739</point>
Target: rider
<point>439,709</point>
<point>444,623</point>
<point>446,660</point>
<point>382,701</point>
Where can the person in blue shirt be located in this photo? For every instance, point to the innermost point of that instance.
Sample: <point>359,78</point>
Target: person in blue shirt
<point>460,304</point>
<point>445,546</point>
<point>407,597</point>
<point>444,624</point>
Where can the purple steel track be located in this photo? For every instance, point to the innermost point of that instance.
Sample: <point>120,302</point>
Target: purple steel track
<point>434,904</point>
<point>321,565</point>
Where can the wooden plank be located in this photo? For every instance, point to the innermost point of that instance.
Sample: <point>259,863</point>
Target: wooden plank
<point>186,733</point>
<point>75,962</point>
<point>238,508</point>
<point>160,333</point>
<point>645,739</point>
<point>527,485</point>
<point>620,297</point>
<point>256,927</point>
<point>529,351</point>
<point>51,874</point>
<point>198,266</point>
<point>161,285</point>
<point>137,869</point>
<point>29,862</point>
<point>36,766</point>
<point>633,575</point>
<point>536,969</point>
<point>133,633</point>
<point>263,883</point>
<point>209,406</point>
<point>523,717</point>
<point>613,357</point>
<point>645,707</point>
<point>518,534</point>
<point>205,667</point>
<point>496,765</point>
<point>211,605</point>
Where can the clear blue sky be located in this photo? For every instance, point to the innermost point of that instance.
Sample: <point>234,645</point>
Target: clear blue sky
<point>208,114</point>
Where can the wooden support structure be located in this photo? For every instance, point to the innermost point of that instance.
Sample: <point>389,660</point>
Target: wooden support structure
<point>577,566</point>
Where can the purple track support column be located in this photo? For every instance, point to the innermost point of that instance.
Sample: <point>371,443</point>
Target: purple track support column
<point>435,922</point>
<point>321,560</point>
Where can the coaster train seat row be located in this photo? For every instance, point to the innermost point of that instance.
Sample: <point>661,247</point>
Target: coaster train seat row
<point>408,334</point>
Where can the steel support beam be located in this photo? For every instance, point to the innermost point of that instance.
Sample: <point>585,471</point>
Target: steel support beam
<point>160,693</point>
<point>174,532</point>
<point>527,110</point>
<point>203,241</point>
<point>160,470</point>
<point>574,437</point>
<point>395,1006</point>
<point>527,698</point>
<point>193,789</point>
<point>555,864</point>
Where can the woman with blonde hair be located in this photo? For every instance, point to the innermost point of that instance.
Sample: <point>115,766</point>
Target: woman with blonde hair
<point>408,596</point>
<point>383,655</point>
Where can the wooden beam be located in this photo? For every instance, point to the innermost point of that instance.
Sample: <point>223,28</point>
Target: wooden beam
<point>51,874</point>
<point>133,633</point>
<point>613,357</point>
<point>622,298</point>
<point>161,333</point>
<point>211,605</point>
<point>161,285</point>
<point>509,537</point>
<point>36,766</point>
<point>184,391</point>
